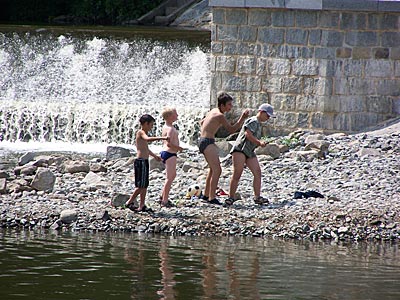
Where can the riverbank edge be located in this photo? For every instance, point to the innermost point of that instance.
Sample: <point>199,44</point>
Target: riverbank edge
<point>79,203</point>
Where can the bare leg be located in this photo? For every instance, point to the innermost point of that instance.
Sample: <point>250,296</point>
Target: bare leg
<point>143,192</point>
<point>254,166</point>
<point>170,170</point>
<point>238,160</point>
<point>211,155</point>
<point>208,183</point>
<point>136,192</point>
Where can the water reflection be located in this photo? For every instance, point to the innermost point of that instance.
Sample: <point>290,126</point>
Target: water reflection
<point>131,266</point>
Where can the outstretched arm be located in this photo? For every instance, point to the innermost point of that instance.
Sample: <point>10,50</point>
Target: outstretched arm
<point>155,155</point>
<point>233,128</point>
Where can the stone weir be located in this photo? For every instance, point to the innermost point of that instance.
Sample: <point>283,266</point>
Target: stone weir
<point>324,65</point>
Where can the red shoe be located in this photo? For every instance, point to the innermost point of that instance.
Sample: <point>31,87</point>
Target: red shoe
<point>221,192</point>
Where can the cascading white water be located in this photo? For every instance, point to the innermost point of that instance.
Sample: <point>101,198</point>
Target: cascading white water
<point>92,90</point>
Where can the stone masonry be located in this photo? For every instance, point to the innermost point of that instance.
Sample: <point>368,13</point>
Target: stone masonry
<point>324,65</point>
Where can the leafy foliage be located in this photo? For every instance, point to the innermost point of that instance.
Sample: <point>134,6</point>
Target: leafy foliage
<point>103,12</point>
<point>290,142</point>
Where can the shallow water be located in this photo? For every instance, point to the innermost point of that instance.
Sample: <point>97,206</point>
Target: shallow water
<point>51,265</point>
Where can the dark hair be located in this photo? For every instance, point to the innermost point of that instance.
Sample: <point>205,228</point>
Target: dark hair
<point>224,98</point>
<point>146,118</point>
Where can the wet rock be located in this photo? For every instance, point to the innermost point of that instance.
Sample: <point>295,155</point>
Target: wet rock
<point>68,216</point>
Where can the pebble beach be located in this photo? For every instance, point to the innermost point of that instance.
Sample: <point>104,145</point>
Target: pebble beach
<point>357,175</point>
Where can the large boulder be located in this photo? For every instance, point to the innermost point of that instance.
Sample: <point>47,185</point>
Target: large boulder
<point>119,200</point>
<point>68,216</point>
<point>44,180</point>
<point>114,152</point>
<point>94,180</point>
<point>224,147</point>
<point>155,164</point>
<point>26,158</point>
<point>271,149</point>
<point>76,167</point>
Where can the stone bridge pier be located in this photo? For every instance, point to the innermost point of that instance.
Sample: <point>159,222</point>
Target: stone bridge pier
<point>326,65</point>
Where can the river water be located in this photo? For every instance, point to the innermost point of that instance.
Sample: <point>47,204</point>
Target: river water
<point>68,265</point>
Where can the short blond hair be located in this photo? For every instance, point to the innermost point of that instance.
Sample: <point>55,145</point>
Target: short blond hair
<point>167,112</point>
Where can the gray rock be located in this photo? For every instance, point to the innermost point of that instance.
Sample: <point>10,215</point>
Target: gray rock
<point>119,200</point>
<point>28,170</point>
<point>76,167</point>
<point>44,180</point>
<point>224,147</point>
<point>68,216</point>
<point>3,186</point>
<point>4,174</point>
<point>26,158</point>
<point>271,149</point>
<point>114,152</point>
<point>368,152</point>
<point>95,180</point>
<point>155,164</point>
<point>313,138</point>
<point>97,168</point>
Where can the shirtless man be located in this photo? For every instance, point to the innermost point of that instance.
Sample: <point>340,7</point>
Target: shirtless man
<point>169,152</point>
<point>209,127</point>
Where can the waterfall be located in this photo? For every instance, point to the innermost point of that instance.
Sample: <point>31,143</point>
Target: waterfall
<point>93,90</point>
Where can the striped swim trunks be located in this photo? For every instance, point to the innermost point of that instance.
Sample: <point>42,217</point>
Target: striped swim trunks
<point>142,169</point>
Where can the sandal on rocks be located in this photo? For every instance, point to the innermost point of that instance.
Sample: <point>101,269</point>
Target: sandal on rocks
<point>144,209</point>
<point>215,201</point>
<point>204,198</point>
<point>130,206</point>
<point>167,204</point>
<point>261,200</point>
<point>229,201</point>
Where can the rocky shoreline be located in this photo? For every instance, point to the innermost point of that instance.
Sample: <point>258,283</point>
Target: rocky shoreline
<point>358,175</point>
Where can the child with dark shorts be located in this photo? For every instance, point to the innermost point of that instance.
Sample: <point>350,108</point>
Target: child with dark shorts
<point>141,164</point>
<point>243,153</point>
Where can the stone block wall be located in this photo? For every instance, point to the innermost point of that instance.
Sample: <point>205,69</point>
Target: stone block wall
<point>324,65</point>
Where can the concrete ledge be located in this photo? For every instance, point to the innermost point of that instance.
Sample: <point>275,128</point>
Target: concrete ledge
<point>348,5</point>
<point>389,6</point>
<point>357,5</point>
<point>304,4</point>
